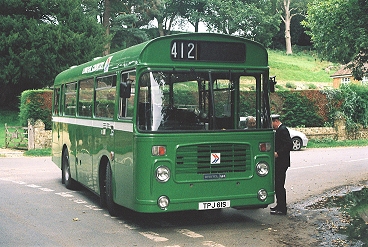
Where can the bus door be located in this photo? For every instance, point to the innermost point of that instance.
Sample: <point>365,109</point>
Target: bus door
<point>84,134</point>
<point>123,168</point>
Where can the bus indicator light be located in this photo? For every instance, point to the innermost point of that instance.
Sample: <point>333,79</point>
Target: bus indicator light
<point>264,146</point>
<point>158,150</point>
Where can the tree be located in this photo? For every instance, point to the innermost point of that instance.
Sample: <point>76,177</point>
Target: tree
<point>192,10</point>
<point>287,10</point>
<point>41,38</point>
<point>339,32</point>
<point>251,19</point>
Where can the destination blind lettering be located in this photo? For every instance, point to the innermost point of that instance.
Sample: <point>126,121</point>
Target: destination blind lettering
<point>188,50</point>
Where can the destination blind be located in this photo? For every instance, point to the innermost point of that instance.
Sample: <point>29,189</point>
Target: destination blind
<point>188,50</point>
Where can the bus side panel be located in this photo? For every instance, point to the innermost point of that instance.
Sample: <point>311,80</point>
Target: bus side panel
<point>57,144</point>
<point>123,168</point>
<point>84,144</point>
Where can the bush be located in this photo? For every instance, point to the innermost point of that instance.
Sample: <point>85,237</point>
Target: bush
<point>290,85</point>
<point>298,110</point>
<point>35,104</point>
<point>351,103</point>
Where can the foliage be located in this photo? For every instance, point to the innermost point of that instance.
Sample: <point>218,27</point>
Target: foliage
<point>351,103</point>
<point>355,105</point>
<point>298,110</point>
<point>339,31</point>
<point>290,85</point>
<point>36,104</point>
<point>125,34</point>
<point>251,19</point>
<point>40,39</point>
<point>10,118</point>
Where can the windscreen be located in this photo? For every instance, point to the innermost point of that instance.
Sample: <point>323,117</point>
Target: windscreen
<point>200,101</point>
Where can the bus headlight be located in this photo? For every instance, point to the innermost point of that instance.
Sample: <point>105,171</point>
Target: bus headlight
<point>162,174</point>
<point>262,168</point>
<point>163,202</point>
<point>262,195</point>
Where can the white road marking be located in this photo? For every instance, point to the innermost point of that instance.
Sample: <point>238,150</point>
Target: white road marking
<point>65,194</point>
<point>33,186</point>
<point>19,182</point>
<point>348,161</point>
<point>154,236</point>
<point>46,189</point>
<point>189,233</point>
<point>304,167</point>
<point>212,244</point>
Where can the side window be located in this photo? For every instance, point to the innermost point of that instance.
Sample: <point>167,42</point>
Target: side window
<point>85,103</point>
<point>126,105</point>
<point>70,103</point>
<point>56,108</point>
<point>105,96</point>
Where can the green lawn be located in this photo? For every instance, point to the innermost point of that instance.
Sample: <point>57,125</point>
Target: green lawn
<point>300,67</point>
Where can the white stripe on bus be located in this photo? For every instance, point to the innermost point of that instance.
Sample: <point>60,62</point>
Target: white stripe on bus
<point>124,126</point>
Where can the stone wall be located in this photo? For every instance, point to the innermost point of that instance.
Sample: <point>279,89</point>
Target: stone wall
<point>338,132</point>
<point>319,132</point>
<point>38,137</point>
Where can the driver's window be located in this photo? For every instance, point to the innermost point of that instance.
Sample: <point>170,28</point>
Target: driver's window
<point>126,105</point>
<point>248,102</point>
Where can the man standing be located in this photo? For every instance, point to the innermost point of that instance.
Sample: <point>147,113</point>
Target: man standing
<point>283,145</point>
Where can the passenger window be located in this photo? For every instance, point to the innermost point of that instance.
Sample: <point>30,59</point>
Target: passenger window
<point>86,88</point>
<point>56,102</point>
<point>70,103</point>
<point>105,96</point>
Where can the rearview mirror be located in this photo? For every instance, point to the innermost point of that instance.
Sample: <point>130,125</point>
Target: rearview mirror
<point>125,87</point>
<point>272,83</point>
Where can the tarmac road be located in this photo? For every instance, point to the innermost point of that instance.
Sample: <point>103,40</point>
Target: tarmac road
<point>37,210</point>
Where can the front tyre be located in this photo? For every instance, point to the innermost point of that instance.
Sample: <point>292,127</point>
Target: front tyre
<point>112,207</point>
<point>66,176</point>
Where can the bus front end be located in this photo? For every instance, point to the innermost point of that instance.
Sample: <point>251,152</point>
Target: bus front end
<point>203,141</point>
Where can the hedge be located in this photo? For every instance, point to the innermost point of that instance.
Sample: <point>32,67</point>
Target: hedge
<point>36,104</point>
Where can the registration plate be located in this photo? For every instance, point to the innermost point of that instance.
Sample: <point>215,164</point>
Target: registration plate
<point>213,205</point>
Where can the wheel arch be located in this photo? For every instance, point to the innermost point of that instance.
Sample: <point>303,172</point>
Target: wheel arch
<point>102,180</point>
<point>64,149</point>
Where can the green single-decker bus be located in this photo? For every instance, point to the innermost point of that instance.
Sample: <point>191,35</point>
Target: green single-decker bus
<point>180,122</point>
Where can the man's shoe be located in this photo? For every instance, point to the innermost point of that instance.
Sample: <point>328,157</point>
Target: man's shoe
<point>278,212</point>
<point>274,208</point>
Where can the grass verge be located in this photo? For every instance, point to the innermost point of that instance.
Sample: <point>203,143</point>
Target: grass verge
<point>331,143</point>
<point>38,152</point>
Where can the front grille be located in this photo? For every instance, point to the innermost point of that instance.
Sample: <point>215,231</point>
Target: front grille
<point>196,159</point>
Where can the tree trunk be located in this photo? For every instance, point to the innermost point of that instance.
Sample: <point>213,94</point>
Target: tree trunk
<point>106,24</point>
<point>161,29</point>
<point>287,21</point>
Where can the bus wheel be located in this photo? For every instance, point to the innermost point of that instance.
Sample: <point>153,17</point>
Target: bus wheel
<point>112,207</point>
<point>66,177</point>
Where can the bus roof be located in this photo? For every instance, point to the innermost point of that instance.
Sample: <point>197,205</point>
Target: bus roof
<point>158,52</point>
